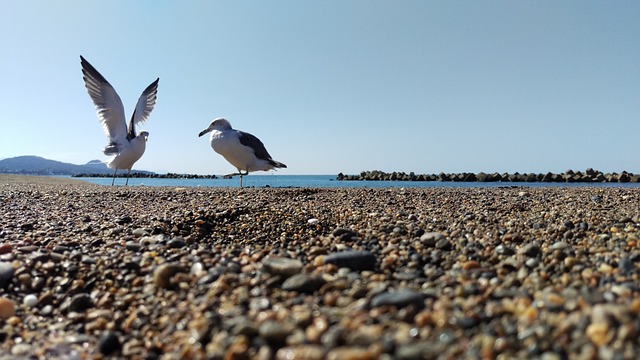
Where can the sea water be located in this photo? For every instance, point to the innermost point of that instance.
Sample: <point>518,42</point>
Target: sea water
<point>327,181</point>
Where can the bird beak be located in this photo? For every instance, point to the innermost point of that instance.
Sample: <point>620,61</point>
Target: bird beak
<point>204,131</point>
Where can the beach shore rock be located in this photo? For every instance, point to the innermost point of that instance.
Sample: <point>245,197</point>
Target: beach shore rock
<point>224,273</point>
<point>569,176</point>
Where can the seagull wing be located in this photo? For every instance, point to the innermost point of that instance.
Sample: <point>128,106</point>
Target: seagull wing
<point>247,139</point>
<point>145,105</point>
<point>108,105</point>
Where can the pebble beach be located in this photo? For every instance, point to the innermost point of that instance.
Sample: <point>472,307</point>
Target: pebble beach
<point>97,272</point>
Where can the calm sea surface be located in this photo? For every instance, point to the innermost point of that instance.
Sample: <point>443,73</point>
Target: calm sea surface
<point>328,181</point>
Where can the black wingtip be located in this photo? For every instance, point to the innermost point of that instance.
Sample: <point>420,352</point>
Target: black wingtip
<point>88,69</point>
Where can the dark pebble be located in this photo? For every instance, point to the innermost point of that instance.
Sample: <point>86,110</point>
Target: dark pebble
<point>133,246</point>
<point>97,242</point>
<point>304,283</point>
<point>176,243</point>
<point>6,273</point>
<point>80,302</point>
<point>108,343</point>
<point>443,244</point>
<point>354,260</point>
<point>399,299</point>
<point>60,249</point>
<point>124,220</point>
<point>344,234</point>
<point>625,265</point>
<point>531,250</point>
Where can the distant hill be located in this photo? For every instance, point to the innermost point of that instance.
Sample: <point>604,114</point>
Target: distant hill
<point>36,165</point>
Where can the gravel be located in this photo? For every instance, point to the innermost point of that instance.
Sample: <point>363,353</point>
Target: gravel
<point>513,272</point>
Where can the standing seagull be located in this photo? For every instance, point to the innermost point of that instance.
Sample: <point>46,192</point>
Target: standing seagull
<point>242,150</point>
<point>123,143</point>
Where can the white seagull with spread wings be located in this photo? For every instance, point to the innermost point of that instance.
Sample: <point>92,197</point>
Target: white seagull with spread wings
<point>125,145</point>
<point>242,150</point>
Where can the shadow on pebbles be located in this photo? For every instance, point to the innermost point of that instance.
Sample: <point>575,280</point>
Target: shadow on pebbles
<point>89,271</point>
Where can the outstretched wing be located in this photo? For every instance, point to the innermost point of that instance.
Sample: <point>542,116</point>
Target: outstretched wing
<point>145,105</point>
<point>108,105</point>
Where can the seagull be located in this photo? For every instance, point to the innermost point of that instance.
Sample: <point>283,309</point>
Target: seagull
<point>242,150</point>
<point>124,144</point>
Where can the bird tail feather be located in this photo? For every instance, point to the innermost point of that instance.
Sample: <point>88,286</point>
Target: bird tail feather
<point>277,164</point>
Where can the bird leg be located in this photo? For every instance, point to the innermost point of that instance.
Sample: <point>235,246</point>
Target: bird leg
<point>127,183</point>
<point>114,176</point>
<point>239,173</point>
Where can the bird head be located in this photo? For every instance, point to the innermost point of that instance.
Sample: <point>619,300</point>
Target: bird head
<point>217,124</point>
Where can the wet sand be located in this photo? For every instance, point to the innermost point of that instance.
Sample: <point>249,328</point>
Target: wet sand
<point>517,272</point>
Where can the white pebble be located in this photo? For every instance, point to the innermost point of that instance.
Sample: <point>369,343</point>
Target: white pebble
<point>313,221</point>
<point>197,268</point>
<point>30,300</point>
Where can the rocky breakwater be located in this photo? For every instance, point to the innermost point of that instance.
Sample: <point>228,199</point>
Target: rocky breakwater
<point>90,272</point>
<point>569,176</point>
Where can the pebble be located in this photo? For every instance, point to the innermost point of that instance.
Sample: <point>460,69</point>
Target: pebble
<point>431,238</point>
<point>274,332</point>
<point>176,243</point>
<point>5,248</point>
<point>303,352</point>
<point>164,273</point>
<point>109,343</point>
<point>6,274</point>
<point>7,308</point>
<point>306,283</point>
<point>399,299</point>
<point>80,302</point>
<point>30,300</point>
<point>354,260</point>
<point>285,267</point>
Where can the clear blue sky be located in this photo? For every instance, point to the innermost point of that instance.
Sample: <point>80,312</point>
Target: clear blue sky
<point>334,86</point>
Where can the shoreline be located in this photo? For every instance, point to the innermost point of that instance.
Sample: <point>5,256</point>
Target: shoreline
<point>38,179</point>
<point>325,273</point>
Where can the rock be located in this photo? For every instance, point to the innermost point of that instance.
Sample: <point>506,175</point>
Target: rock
<point>399,299</point>
<point>133,246</point>
<point>274,332</point>
<point>305,351</point>
<point>80,302</point>
<point>176,243</point>
<point>163,274</point>
<point>30,300</point>
<point>109,343</point>
<point>285,267</point>
<point>344,234</point>
<point>6,274</point>
<point>7,308</point>
<point>530,250</point>
<point>305,283</point>
<point>124,220</point>
<point>431,238</point>
<point>140,232</point>
<point>354,260</point>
